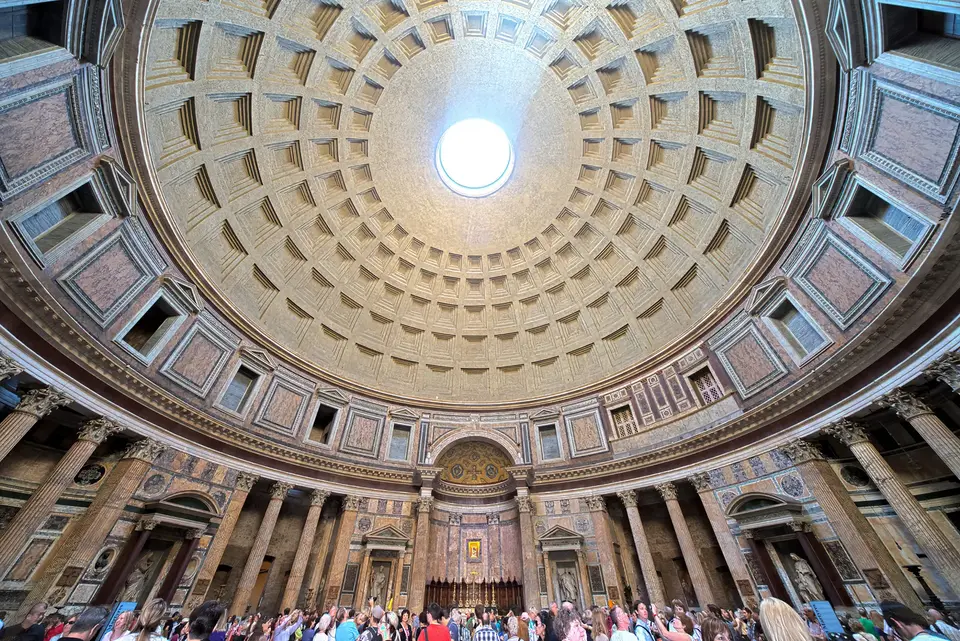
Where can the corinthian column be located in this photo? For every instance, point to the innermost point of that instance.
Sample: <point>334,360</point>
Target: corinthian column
<point>241,598</point>
<point>608,559</point>
<point>221,539</point>
<point>691,557</point>
<point>341,550</point>
<point>647,566</point>
<point>946,369</point>
<point>38,507</point>
<point>295,581</point>
<point>916,519</point>
<point>76,549</point>
<point>728,544</point>
<point>33,406</point>
<point>421,552</point>
<point>938,436</point>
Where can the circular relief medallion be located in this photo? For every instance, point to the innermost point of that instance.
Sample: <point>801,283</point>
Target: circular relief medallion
<point>492,471</point>
<point>192,566</point>
<point>102,563</point>
<point>154,484</point>
<point>792,485</point>
<point>90,474</point>
<point>364,524</point>
<point>853,475</point>
<point>541,528</point>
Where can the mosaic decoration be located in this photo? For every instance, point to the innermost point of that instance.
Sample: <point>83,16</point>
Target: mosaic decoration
<point>792,485</point>
<point>726,497</point>
<point>739,474</point>
<point>474,463</point>
<point>381,506</point>
<point>398,507</point>
<point>717,478</point>
<point>759,469</point>
<point>781,460</point>
<point>90,474</point>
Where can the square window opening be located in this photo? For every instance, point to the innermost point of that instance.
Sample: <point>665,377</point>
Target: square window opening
<point>798,331</point>
<point>399,443</point>
<point>931,36</point>
<point>322,426</point>
<point>549,442</point>
<point>706,386</point>
<point>151,327</point>
<point>59,221</point>
<point>238,391</point>
<point>27,29</point>
<point>893,228</point>
<point>624,423</point>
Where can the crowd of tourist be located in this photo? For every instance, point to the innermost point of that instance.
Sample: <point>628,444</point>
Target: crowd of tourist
<point>775,621</point>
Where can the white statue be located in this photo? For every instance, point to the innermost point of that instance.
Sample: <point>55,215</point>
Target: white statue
<point>807,584</point>
<point>567,584</point>
<point>133,586</point>
<point>378,583</point>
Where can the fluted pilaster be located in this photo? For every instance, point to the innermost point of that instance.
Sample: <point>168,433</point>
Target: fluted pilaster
<point>915,518</point>
<point>299,567</point>
<point>341,550</point>
<point>421,552</point>
<point>528,550</point>
<point>691,557</point>
<point>251,569</point>
<point>647,566</point>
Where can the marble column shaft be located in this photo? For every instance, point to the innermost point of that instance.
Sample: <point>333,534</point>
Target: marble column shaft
<point>729,546</point>
<point>647,566</point>
<point>79,544</point>
<point>937,435</point>
<point>341,550</point>
<point>221,539</point>
<point>360,594</point>
<point>548,574</point>
<point>33,406</point>
<point>319,563</point>
<point>251,569</point>
<point>608,559</point>
<point>299,567</point>
<point>859,538</point>
<point>914,516</point>
<point>528,550</point>
<point>421,553</point>
<point>691,556</point>
<point>38,507</point>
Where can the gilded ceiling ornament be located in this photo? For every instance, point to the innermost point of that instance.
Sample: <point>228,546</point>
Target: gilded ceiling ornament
<point>847,432</point>
<point>351,503</point>
<point>474,463</point>
<point>98,429</point>
<point>629,498</point>
<point>668,491</point>
<point>596,504</point>
<point>245,481</point>
<point>8,367</point>
<point>145,449</point>
<point>279,490</point>
<point>525,504</point>
<point>42,401</point>
<point>319,497</point>
<point>800,451</point>
<point>908,406</point>
<point>701,481</point>
<point>946,369</point>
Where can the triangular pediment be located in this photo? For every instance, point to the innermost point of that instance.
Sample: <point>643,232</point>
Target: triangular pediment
<point>545,413</point>
<point>826,190</point>
<point>387,534</point>
<point>186,293</point>
<point>560,533</point>
<point>764,293</point>
<point>259,358</point>
<point>403,412</point>
<point>333,396</point>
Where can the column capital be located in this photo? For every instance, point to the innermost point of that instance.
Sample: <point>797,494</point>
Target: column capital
<point>847,432</point>
<point>946,369</point>
<point>318,497</point>
<point>98,429</point>
<point>9,367</point>
<point>195,533</point>
<point>279,490</point>
<point>455,518</point>
<point>800,451</point>
<point>747,534</point>
<point>905,404</point>
<point>493,518</point>
<point>525,504</point>
<point>351,503</point>
<point>146,523</point>
<point>596,504</point>
<point>245,481</point>
<point>629,498</point>
<point>701,482</point>
<point>668,491</point>
<point>42,401</point>
<point>424,504</point>
<point>145,449</point>
<point>800,526</point>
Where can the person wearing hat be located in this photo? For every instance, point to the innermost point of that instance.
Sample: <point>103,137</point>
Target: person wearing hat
<point>372,631</point>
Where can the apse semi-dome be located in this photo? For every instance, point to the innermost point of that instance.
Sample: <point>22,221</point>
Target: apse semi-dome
<point>655,152</point>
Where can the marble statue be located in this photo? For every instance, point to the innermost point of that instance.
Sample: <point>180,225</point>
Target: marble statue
<point>133,586</point>
<point>567,585</point>
<point>378,583</point>
<point>807,584</point>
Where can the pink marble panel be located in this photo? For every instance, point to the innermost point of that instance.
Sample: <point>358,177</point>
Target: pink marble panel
<point>362,433</point>
<point>107,278</point>
<point>35,133</point>
<point>197,360</point>
<point>283,407</point>
<point>840,280</point>
<point>749,361</point>
<point>900,125</point>
<point>586,432</point>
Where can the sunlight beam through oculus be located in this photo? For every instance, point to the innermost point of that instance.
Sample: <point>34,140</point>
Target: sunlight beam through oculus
<point>474,158</point>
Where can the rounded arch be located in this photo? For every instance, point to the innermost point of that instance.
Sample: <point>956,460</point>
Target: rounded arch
<point>192,500</point>
<point>754,503</point>
<point>448,440</point>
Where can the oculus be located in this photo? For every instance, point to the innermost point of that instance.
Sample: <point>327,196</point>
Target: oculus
<point>474,158</point>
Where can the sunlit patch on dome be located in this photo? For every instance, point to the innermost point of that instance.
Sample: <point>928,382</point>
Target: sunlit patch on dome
<point>474,158</point>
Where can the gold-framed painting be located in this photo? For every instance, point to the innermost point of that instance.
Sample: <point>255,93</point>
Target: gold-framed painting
<point>474,551</point>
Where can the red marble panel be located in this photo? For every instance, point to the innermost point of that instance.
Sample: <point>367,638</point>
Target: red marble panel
<point>283,407</point>
<point>36,133</point>
<point>749,360</point>
<point>901,124</point>
<point>839,279</point>
<point>197,360</point>
<point>105,280</point>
